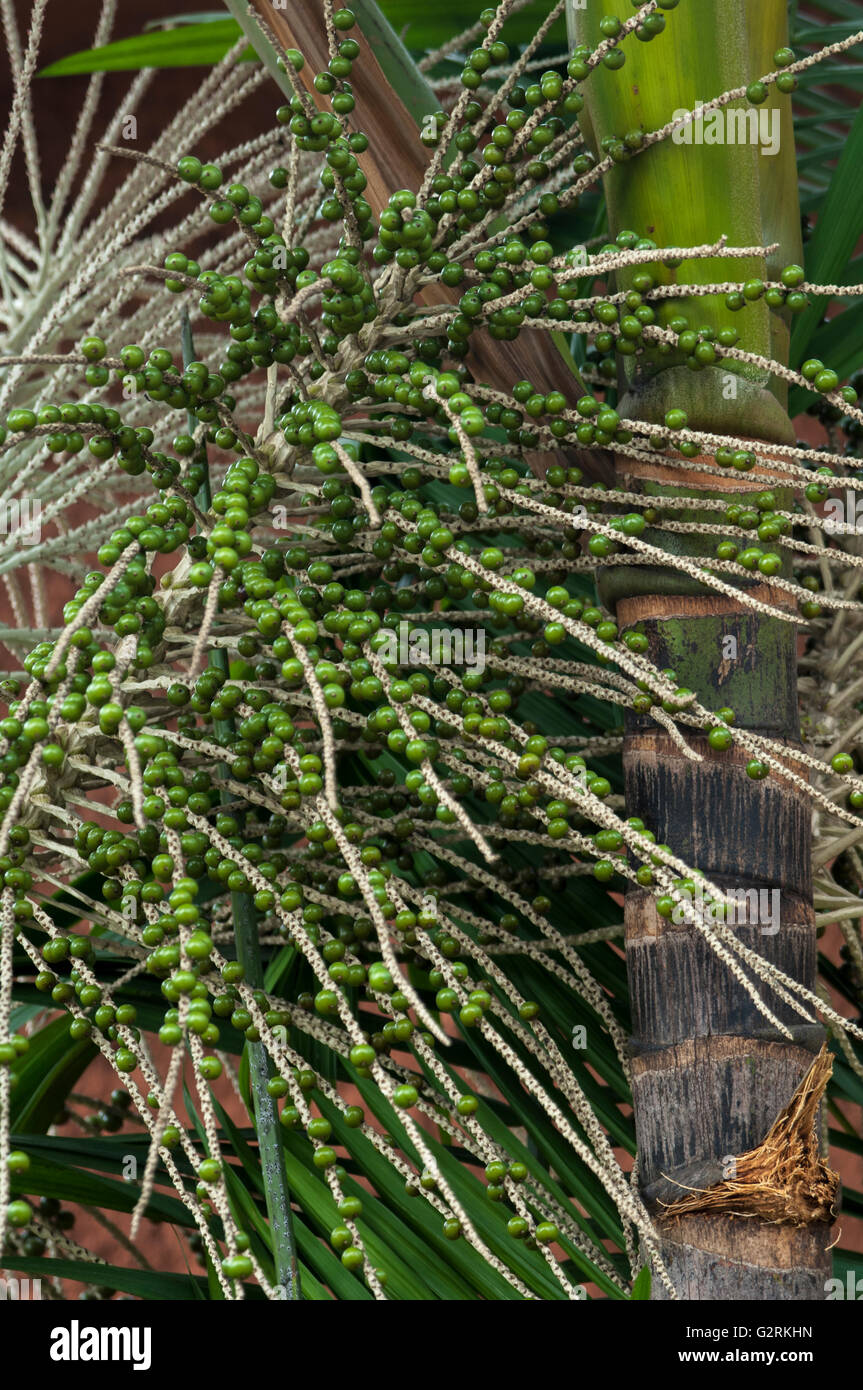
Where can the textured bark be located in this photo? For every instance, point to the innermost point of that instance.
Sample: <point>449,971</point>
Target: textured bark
<point>717,1257</point>
<point>710,1073</point>
<point>757,1228</point>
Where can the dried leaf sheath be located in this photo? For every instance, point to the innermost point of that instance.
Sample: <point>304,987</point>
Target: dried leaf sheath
<point>392,128</point>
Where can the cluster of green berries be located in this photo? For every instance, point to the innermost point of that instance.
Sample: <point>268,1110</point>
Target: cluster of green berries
<point>293,608</point>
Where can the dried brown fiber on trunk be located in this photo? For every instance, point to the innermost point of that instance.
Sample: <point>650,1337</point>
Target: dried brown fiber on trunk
<point>784,1179</point>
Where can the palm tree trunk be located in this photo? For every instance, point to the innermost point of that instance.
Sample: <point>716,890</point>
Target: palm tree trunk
<point>710,1073</point>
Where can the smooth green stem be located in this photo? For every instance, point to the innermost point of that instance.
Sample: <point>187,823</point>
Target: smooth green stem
<point>689,194</point>
<point>276,1192</point>
<point>260,43</point>
<point>277,1195</point>
<point>29,634</point>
